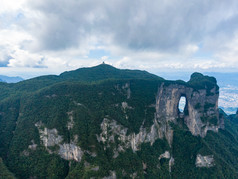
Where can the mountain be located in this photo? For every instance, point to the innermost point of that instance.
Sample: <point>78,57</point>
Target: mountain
<point>103,122</point>
<point>104,71</point>
<point>4,171</point>
<point>228,83</point>
<point>10,79</point>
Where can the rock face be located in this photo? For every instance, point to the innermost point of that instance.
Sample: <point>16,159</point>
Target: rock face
<point>200,114</point>
<point>171,163</point>
<point>33,145</point>
<point>167,155</point>
<point>111,129</point>
<point>51,138</point>
<point>204,161</point>
<point>70,124</point>
<point>70,152</point>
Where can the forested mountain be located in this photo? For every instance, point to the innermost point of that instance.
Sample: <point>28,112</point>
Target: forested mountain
<point>5,172</point>
<point>103,122</point>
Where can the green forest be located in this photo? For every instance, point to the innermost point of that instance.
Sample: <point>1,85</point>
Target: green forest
<point>92,94</point>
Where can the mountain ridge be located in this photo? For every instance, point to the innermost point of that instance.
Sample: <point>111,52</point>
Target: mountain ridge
<point>128,127</point>
<point>108,72</point>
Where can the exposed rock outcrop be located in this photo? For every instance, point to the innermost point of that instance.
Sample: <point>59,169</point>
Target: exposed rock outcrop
<point>167,155</point>
<point>171,163</point>
<point>70,123</point>
<point>204,161</point>
<point>33,145</point>
<point>51,138</point>
<point>128,90</point>
<point>111,129</point>
<point>70,152</point>
<point>201,111</point>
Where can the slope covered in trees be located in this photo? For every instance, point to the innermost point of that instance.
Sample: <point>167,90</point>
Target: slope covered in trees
<point>76,103</point>
<point>4,172</point>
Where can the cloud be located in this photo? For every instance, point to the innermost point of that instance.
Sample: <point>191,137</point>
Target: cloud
<point>11,5</point>
<point>152,25</point>
<point>21,58</point>
<point>175,34</point>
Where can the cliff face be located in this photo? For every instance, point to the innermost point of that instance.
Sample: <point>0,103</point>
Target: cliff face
<point>200,113</point>
<point>112,131</point>
<point>51,138</point>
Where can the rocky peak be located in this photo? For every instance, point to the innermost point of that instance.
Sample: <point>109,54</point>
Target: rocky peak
<point>201,110</point>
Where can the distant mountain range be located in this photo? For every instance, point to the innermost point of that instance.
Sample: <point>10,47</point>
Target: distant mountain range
<point>9,79</point>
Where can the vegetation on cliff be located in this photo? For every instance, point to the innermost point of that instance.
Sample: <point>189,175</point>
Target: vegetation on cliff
<point>4,172</point>
<point>89,95</point>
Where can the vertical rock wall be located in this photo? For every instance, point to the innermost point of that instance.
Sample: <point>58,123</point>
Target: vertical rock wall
<point>201,111</point>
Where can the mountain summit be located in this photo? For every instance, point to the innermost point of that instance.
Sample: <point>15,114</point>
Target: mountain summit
<point>104,71</point>
<point>103,122</point>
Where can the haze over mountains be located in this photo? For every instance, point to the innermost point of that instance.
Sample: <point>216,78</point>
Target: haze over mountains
<point>8,79</point>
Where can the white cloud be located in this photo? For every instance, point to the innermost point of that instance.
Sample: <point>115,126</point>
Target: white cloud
<point>21,58</point>
<point>11,5</point>
<point>230,53</point>
<point>154,34</point>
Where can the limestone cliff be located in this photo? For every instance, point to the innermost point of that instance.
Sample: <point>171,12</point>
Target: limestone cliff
<point>201,111</point>
<point>111,129</point>
<point>51,138</point>
<point>200,114</point>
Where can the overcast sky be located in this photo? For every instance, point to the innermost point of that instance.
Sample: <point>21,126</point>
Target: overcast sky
<point>51,36</point>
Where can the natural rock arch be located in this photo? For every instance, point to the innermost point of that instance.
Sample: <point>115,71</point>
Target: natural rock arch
<point>201,106</point>
<point>182,103</point>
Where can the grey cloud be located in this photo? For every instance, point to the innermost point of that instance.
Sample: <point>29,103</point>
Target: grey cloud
<point>157,25</point>
<point>4,56</point>
<point>4,62</point>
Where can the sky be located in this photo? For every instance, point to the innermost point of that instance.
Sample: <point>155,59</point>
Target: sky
<point>39,37</point>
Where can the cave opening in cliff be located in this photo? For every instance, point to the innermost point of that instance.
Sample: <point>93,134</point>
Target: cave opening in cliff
<point>182,104</point>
